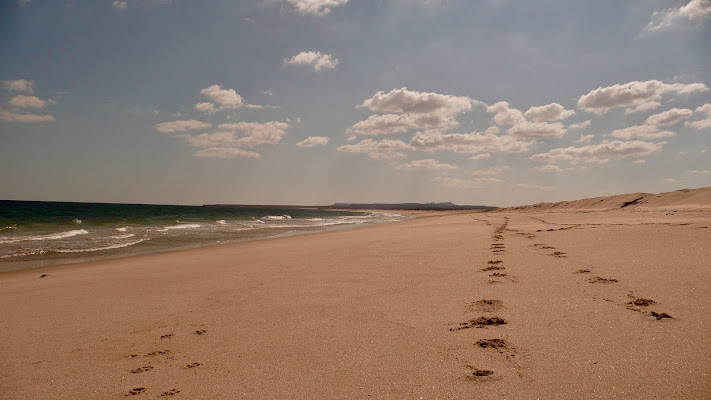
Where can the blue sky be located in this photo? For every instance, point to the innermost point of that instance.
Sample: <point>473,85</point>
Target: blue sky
<point>318,101</point>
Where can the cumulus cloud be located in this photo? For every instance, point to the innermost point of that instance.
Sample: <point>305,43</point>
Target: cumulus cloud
<point>548,113</point>
<point>505,115</point>
<point>255,133</point>
<point>314,58</point>
<point>700,172</point>
<point>427,164</point>
<point>704,123</point>
<point>226,152</point>
<point>641,132</point>
<point>415,110</point>
<point>636,96</point>
<point>490,171</point>
<point>210,139</point>
<point>20,117</point>
<point>580,125</point>
<point>120,5</point>
<point>533,187</point>
<point>182,126</point>
<point>550,168</point>
<point>384,149</point>
<point>410,101</point>
<point>19,85</point>
<point>669,117</point>
<point>22,101</point>
<point>695,12</point>
<point>313,141</point>
<point>600,153</point>
<point>469,143</point>
<point>223,99</point>
<point>700,124</point>
<point>538,130</point>
<point>465,183</point>
<point>315,7</point>
<point>482,156</point>
<point>585,139</point>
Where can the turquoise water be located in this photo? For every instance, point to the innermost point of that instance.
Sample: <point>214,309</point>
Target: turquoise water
<point>34,234</point>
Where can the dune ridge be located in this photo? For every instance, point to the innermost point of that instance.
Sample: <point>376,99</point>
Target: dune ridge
<point>684,198</point>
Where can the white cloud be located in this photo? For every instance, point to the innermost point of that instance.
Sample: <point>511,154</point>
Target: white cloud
<point>580,125</point>
<point>700,124</point>
<point>427,164</point>
<point>120,5</point>
<point>465,183</point>
<point>261,107</point>
<point>669,180</point>
<point>493,130</point>
<point>316,59</point>
<point>482,156</point>
<point>550,168</point>
<point>469,143</point>
<point>600,153</point>
<point>225,99</point>
<point>641,132</point>
<point>505,115</point>
<point>635,96</point>
<point>640,162</point>
<point>220,138</point>
<point>585,139</point>
<point>226,152</point>
<point>182,126</point>
<point>256,134</point>
<point>22,101</point>
<point>315,7</point>
<point>15,117</point>
<point>313,141</point>
<point>534,187</point>
<point>490,171</point>
<point>669,117</point>
<point>384,149</point>
<point>537,130</point>
<point>700,172</point>
<point>19,85</point>
<point>706,109</point>
<point>416,110</point>
<point>695,12</point>
<point>410,101</point>
<point>548,113</point>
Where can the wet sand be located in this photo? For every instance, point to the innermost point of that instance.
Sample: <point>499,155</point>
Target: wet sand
<point>509,304</point>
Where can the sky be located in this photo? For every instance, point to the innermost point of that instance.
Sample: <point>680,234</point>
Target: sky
<point>311,102</point>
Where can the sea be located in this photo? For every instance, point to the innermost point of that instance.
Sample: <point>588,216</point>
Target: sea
<point>36,234</point>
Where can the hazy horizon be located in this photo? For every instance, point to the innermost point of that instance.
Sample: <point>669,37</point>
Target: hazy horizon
<point>315,102</point>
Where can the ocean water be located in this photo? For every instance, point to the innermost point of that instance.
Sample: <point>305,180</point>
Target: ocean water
<point>34,234</point>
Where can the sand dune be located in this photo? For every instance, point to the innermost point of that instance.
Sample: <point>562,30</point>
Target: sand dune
<point>511,304</point>
<point>685,198</point>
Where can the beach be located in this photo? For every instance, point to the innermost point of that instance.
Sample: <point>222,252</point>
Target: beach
<point>605,304</point>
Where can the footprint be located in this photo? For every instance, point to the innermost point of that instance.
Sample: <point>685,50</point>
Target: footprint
<point>499,274</point>
<point>481,372</point>
<point>488,305</point>
<point>158,353</point>
<point>659,316</point>
<point>642,302</point>
<point>558,254</point>
<point>171,392</point>
<point>142,369</point>
<point>193,365</point>
<point>493,344</point>
<point>136,391</point>
<point>200,332</point>
<point>495,262</point>
<point>480,322</point>
<point>582,271</point>
<point>493,268</point>
<point>168,336</point>
<point>597,279</point>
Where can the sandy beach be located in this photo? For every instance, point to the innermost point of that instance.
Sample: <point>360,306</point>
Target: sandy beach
<point>521,304</point>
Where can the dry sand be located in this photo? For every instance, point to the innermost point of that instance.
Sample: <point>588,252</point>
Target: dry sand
<point>405,310</point>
